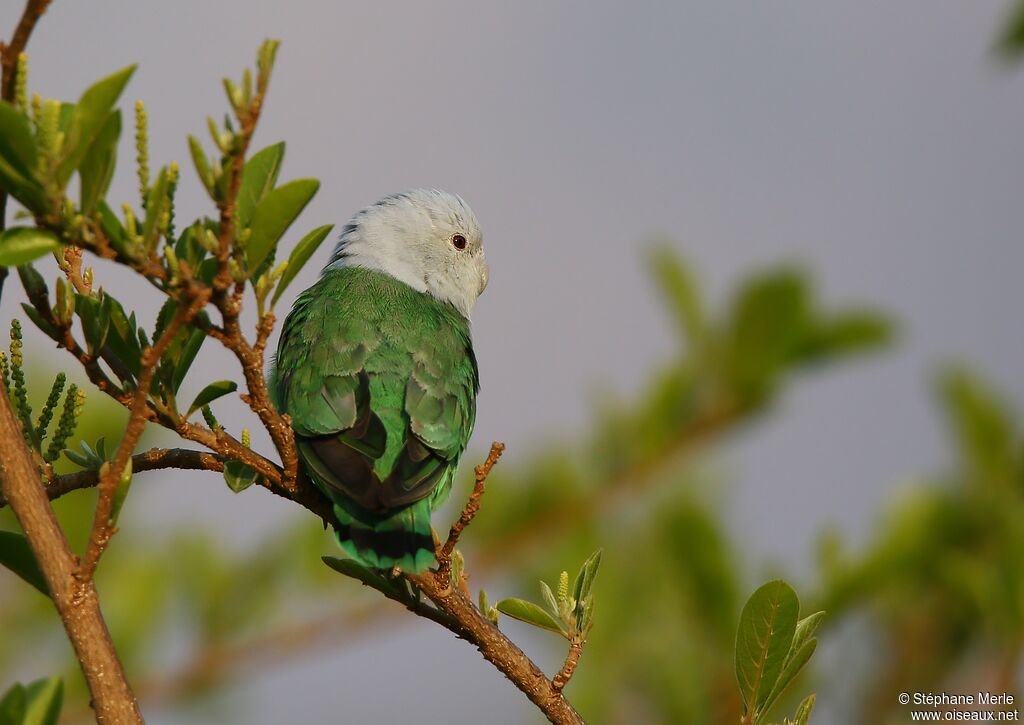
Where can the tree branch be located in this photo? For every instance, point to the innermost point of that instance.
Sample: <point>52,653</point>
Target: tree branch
<point>572,659</point>
<point>9,53</point>
<point>469,623</point>
<point>152,460</point>
<point>78,607</point>
<point>110,475</point>
<point>76,603</point>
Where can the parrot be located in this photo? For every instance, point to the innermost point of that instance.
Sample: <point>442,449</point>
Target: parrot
<point>376,369</point>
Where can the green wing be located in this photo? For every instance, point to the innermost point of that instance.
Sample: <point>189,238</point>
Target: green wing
<point>380,382</point>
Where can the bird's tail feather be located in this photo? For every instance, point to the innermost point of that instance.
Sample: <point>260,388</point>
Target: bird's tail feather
<point>403,539</point>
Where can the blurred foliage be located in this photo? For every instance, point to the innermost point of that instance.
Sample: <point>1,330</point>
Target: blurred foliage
<point>943,582</point>
<point>940,587</point>
<point>669,594</point>
<point>1010,43</point>
<point>37,703</point>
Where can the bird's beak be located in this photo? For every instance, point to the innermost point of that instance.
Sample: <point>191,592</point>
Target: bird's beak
<point>485,274</point>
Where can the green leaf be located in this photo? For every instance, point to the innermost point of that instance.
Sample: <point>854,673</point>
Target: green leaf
<point>88,117</point>
<point>201,163</point>
<point>274,215</point>
<point>582,585</point>
<point>39,321</point>
<point>981,421</point>
<point>210,393</point>
<point>305,249</point>
<point>95,322</point>
<point>122,337</point>
<point>239,476</point>
<point>530,613</point>
<point>78,458</point>
<point>121,492</point>
<point>13,704</point>
<point>806,628</point>
<point>112,227</point>
<point>44,700</point>
<point>798,658</point>
<point>763,641</point>
<point>850,332</point>
<point>549,599</point>
<point>188,356</point>
<point>16,555</point>
<point>20,245</point>
<point>97,168</point>
<point>156,205</point>
<point>803,712</point>
<point>682,295</point>
<point>357,571</point>
<point>17,144</point>
<point>258,177</point>
<point>1010,44</point>
<point>18,159</point>
<point>770,318</point>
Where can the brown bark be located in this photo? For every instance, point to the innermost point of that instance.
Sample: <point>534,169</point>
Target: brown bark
<point>497,649</point>
<point>112,698</point>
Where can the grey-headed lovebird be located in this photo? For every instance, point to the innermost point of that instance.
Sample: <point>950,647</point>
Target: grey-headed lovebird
<point>376,368</point>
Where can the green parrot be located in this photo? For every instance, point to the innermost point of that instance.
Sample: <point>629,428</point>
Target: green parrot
<point>376,368</point>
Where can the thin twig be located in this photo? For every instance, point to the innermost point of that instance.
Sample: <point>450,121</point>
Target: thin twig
<point>496,648</point>
<point>102,528</point>
<point>474,627</point>
<point>9,53</point>
<point>572,659</point>
<point>152,460</point>
<point>469,511</point>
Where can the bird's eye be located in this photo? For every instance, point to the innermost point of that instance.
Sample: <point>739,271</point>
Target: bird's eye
<point>459,241</point>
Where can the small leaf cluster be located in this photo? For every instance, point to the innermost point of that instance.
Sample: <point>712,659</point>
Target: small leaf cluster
<point>772,646</point>
<point>570,614</point>
<point>46,436</point>
<point>37,703</point>
<point>47,143</point>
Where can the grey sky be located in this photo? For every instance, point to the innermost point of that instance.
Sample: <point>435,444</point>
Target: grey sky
<point>875,142</point>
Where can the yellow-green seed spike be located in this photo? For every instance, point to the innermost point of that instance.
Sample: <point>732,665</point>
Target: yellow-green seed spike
<point>172,265</point>
<point>22,408</point>
<point>21,83</point>
<point>173,174</point>
<point>46,137</point>
<point>142,149</point>
<point>37,109</point>
<point>66,424</point>
<point>46,414</point>
<point>210,418</point>
<point>245,437</point>
<point>563,587</point>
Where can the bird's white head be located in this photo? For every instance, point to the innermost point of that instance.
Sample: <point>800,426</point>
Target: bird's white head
<point>427,238</point>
